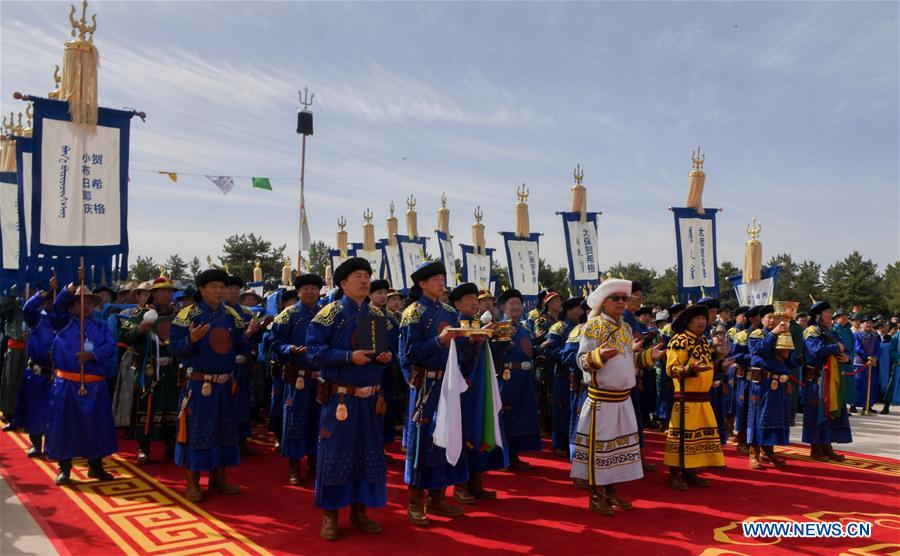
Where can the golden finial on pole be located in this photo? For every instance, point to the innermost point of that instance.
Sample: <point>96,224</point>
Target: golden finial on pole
<point>257,271</point>
<point>209,261</point>
<point>696,181</point>
<point>478,232</point>
<point>412,228</point>
<point>392,227</point>
<point>579,194</point>
<point>342,223</point>
<point>80,28</point>
<point>79,72</point>
<point>342,243</point>
<point>368,231</point>
<point>753,254</point>
<point>367,216</point>
<point>522,226</point>
<point>443,216</point>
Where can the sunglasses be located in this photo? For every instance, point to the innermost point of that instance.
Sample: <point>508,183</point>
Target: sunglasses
<point>619,298</point>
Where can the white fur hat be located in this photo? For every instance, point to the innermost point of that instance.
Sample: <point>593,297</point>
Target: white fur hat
<point>606,289</point>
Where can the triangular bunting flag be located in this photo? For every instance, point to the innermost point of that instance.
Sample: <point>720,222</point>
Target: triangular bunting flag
<point>172,175</point>
<point>262,183</point>
<point>224,183</point>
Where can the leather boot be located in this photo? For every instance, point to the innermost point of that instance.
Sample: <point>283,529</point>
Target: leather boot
<point>143,455</point>
<point>96,471</point>
<point>691,477</point>
<point>598,504</point>
<point>361,521</point>
<point>476,488</point>
<point>294,473</point>
<point>219,484</point>
<point>462,495</point>
<point>192,492</point>
<point>518,465</point>
<point>581,484</point>
<point>754,457</point>
<point>729,426</point>
<point>614,501</point>
<point>311,466</point>
<point>329,530</point>
<point>438,504</point>
<point>742,448</point>
<point>65,467</point>
<point>831,454</point>
<point>816,453</point>
<point>415,507</point>
<point>769,451</point>
<point>37,446</point>
<point>886,409</point>
<point>169,452</point>
<point>675,480</point>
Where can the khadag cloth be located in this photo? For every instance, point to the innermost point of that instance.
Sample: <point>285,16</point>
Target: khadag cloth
<point>448,419</point>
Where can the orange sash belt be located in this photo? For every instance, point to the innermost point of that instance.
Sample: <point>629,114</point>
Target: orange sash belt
<point>12,343</point>
<point>76,377</point>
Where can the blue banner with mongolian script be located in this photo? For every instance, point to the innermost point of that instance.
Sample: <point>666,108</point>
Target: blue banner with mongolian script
<point>698,268</point>
<point>756,293</point>
<point>523,259</point>
<point>412,253</point>
<point>476,267</point>
<point>80,192</point>
<point>9,231</point>
<point>581,249</point>
<point>445,244</point>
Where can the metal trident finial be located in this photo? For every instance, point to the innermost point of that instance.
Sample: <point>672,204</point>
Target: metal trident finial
<point>411,203</point>
<point>29,113</point>
<point>579,174</point>
<point>478,214</point>
<point>19,127</point>
<point>81,28</point>
<point>697,158</point>
<point>56,78</point>
<point>443,200</point>
<point>392,209</point>
<point>342,223</point>
<point>754,229</point>
<point>367,216</point>
<point>522,193</point>
<point>306,99</point>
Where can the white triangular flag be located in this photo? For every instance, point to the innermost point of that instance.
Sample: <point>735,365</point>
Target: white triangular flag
<point>448,419</point>
<point>305,239</point>
<point>224,183</point>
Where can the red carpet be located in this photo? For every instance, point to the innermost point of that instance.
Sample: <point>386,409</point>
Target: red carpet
<point>537,511</point>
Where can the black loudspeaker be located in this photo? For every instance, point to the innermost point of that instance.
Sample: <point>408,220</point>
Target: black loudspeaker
<point>304,122</point>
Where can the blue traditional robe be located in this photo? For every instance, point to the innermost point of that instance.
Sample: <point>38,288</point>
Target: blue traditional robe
<point>867,345</point>
<point>243,368</point>
<point>577,391</point>
<point>819,428</point>
<point>519,415</point>
<point>351,466</point>
<point>300,431</point>
<point>33,402</point>
<point>559,410</point>
<point>769,412</point>
<point>80,426</point>
<point>426,464</point>
<point>210,422</point>
<point>740,353</point>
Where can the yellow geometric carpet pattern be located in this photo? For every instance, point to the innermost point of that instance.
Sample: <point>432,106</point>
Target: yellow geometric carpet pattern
<point>140,515</point>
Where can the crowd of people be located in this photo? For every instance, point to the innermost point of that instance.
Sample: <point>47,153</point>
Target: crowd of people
<point>337,374</point>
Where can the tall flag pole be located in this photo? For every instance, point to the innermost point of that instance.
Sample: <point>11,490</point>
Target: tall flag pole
<point>411,246</point>
<point>477,258</point>
<point>695,238</point>
<point>445,242</point>
<point>370,249</point>
<point>756,285</point>
<point>580,231</point>
<point>304,128</point>
<point>522,253</point>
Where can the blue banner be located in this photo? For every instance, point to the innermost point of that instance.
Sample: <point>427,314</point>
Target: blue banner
<point>757,293</point>
<point>445,245</point>
<point>581,249</point>
<point>523,260</point>
<point>476,267</point>
<point>412,252</point>
<point>698,267</point>
<point>80,192</point>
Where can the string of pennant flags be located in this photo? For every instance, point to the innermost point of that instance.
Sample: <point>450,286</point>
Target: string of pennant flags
<point>224,183</point>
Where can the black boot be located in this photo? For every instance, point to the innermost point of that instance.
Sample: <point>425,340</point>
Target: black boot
<point>37,446</point>
<point>143,455</point>
<point>65,467</point>
<point>96,471</point>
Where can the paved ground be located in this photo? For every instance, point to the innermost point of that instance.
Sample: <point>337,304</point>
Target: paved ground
<point>19,534</point>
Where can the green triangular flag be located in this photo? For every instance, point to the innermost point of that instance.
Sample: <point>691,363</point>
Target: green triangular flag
<point>262,183</point>
<point>488,441</point>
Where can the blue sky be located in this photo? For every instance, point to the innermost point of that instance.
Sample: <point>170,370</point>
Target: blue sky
<point>794,104</point>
